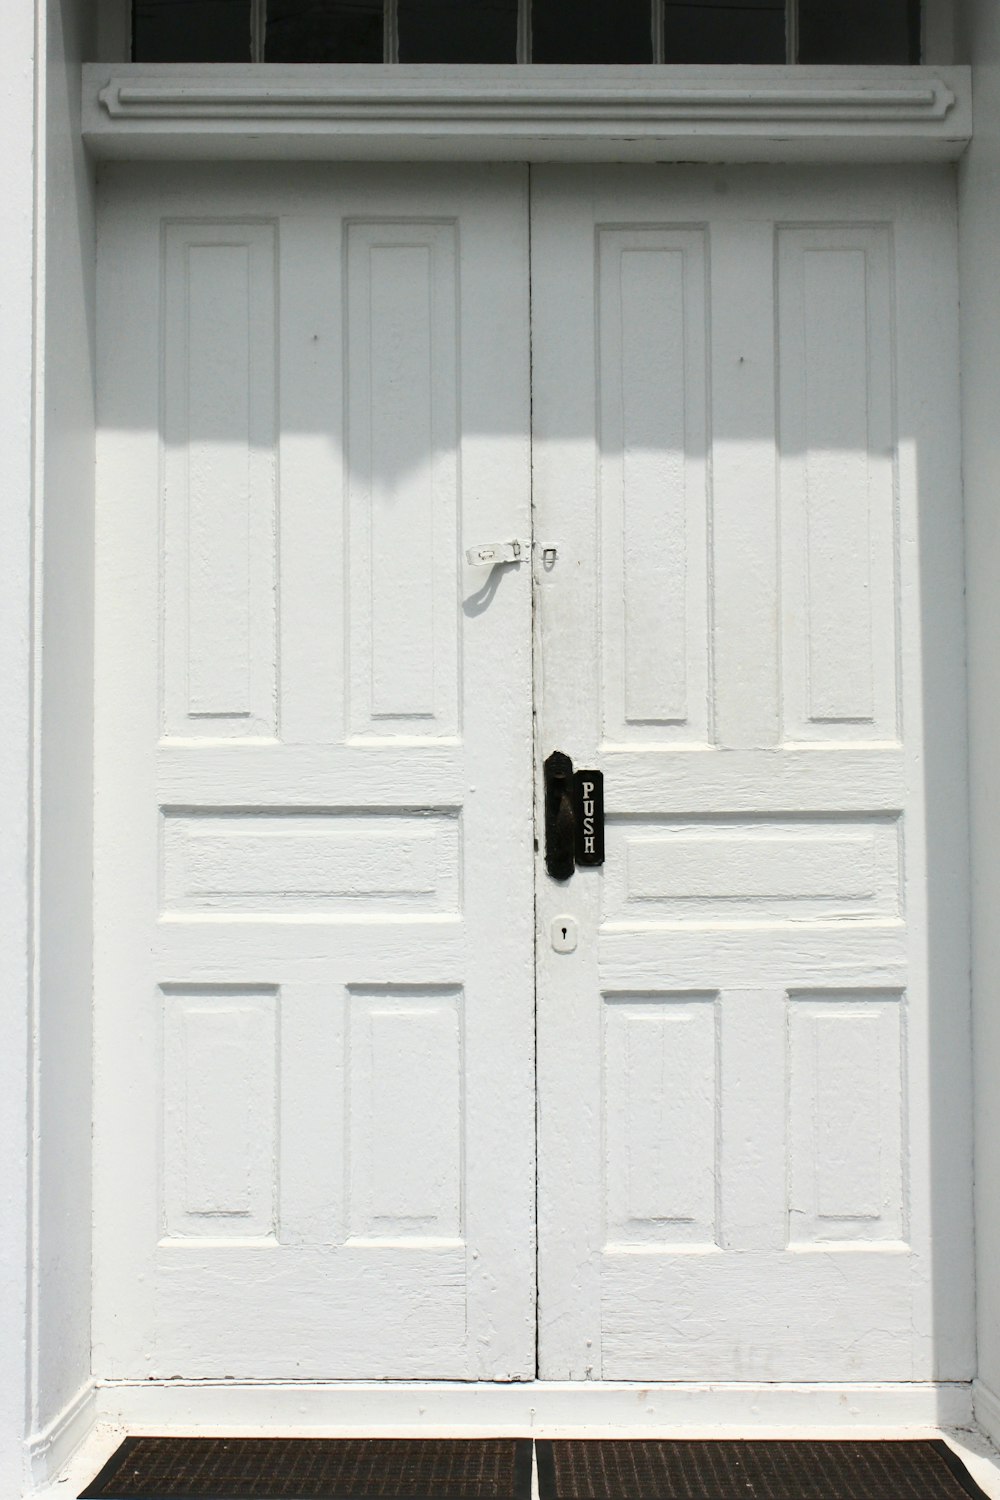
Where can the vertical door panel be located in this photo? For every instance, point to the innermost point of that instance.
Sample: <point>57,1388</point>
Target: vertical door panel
<point>837,432</point>
<point>219,386</point>
<point>402,456</point>
<point>314,970</point>
<point>752,1139</point>
<point>660,1104</point>
<point>652,378</point>
<point>219,1114</point>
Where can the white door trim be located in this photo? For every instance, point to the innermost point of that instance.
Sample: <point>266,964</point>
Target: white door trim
<point>542,1408</point>
<point>638,113</point>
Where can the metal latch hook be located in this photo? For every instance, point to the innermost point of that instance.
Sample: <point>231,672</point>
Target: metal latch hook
<point>490,554</point>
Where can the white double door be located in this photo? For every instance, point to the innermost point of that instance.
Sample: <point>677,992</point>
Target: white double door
<point>725,401</point>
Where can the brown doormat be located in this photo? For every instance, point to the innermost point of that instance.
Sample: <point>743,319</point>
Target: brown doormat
<point>167,1468</point>
<point>764,1469</point>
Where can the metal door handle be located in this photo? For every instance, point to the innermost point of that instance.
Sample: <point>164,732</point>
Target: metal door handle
<point>560,817</point>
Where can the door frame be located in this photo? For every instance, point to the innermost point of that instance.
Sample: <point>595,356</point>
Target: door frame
<point>921,1397</point>
<point>52,914</point>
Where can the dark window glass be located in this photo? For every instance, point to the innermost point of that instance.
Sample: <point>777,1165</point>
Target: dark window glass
<point>859,31</point>
<point>725,31</point>
<point>563,31</point>
<point>191,31</point>
<point>457,31</point>
<point>300,31</point>
<point>591,31</point>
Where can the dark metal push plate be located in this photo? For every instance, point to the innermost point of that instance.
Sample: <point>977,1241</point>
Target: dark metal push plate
<point>589,817</point>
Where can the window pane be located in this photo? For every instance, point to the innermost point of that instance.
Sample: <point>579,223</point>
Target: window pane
<point>591,31</point>
<point>458,31</point>
<point>348,31</point>
<point>725,31</point>
<point>859,31</point>
<point>191,31</point>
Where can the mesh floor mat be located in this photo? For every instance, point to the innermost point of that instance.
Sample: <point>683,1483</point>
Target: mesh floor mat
<point>717,1469</point>
<point>317,1469</point>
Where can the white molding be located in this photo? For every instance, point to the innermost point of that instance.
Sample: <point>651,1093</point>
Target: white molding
<point>538,1407</point>
<point>986,1409</point>
<point>558,100</point>
<point>527,113</point>
<point>50,1450</point>
<point>22,77</point>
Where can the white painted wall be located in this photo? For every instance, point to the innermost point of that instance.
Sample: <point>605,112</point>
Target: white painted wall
<point>16,389</point>
<point>64,583</point>
<point>980,262</point>
<point>46,471</point>
<point>44,900</point>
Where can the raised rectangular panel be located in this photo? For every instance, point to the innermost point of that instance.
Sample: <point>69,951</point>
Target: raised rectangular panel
<point>401,378</point>
<point>220,1113</point>
<point>661,1096</point>
<point>846,1118</point>
<point>219,480</point>
<point>837,474</point>
<point>405,1114</point>
<point>722,870</point>
<point>652,382</point>
<point>329,863</point>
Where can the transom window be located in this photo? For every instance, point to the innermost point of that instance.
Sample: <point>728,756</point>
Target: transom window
<point>527,31</point>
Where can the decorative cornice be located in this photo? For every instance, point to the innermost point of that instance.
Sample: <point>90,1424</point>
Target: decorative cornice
<point>269,101</point>
<point>517,106</point>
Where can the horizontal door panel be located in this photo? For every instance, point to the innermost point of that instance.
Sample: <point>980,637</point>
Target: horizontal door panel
<point>760,870</point>
<point>315,863</point>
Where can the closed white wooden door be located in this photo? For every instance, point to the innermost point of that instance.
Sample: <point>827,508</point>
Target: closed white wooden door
<point>315,1046</point>
<point>754,1153</point>
<point>314,967</point>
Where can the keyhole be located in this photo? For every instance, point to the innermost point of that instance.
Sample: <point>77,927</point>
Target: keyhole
<point>563,934</point>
